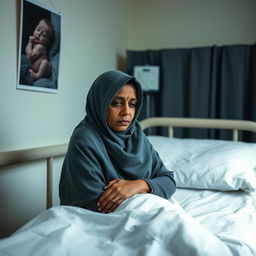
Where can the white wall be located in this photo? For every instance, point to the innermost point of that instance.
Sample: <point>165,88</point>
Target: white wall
<point>94,32</point>
<point>95,36</point>
<point>191,23</point>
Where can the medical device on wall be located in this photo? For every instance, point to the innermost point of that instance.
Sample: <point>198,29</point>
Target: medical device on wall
<point>148,76</point>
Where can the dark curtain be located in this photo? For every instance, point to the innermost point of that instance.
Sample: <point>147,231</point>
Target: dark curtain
<point>203,82</point>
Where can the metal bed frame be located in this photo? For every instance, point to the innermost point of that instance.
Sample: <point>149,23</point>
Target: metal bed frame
<point>234,125</point>
<point>48,153</point>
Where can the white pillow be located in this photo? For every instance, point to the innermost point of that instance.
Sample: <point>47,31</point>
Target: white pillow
<point>209,164</point>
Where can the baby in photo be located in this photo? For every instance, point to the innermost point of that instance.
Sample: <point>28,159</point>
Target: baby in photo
<point>36,50</point>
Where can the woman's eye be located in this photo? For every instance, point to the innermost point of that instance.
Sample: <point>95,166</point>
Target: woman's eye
<point>120,103</point>
<point>133,105</point>
<point>116,103</point>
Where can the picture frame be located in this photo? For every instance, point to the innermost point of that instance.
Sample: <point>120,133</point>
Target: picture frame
<point>39,48</point>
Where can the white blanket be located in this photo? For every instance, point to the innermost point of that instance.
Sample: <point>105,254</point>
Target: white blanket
<point>229,215</point>
<point>143,225</point>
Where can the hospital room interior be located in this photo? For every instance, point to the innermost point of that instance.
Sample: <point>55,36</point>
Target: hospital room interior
<point>206,54</point>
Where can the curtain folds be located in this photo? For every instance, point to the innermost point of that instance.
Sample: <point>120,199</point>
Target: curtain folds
<point>202,82</point>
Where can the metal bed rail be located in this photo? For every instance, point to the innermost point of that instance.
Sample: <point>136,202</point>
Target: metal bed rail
<point>170,122</point>
<point>47,153</point>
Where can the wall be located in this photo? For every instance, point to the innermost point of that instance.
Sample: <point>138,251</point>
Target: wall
<point>94,39</point>
<point>89,46</point>
<point>185,23</point>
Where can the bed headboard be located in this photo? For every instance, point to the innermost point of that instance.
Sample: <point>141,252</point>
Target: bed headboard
<point>171,122</point>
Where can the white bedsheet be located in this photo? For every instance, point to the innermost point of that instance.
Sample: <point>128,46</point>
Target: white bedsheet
<point>229,215</point>
<point>142,225</point>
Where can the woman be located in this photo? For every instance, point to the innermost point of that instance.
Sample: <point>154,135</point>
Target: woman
<point>109,159</point>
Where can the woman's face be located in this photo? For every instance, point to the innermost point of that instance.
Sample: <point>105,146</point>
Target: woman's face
<point>122,109</point>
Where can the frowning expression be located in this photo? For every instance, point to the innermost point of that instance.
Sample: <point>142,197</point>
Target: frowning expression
<point>122,108</point>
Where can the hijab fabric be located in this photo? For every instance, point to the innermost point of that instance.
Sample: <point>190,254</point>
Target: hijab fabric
<point>97,154</point>
<point>125,148</point>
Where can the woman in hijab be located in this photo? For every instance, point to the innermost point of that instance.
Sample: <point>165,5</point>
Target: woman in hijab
<point>109,159</point>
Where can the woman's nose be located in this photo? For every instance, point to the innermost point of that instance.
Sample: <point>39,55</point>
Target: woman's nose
<point>126,109</point>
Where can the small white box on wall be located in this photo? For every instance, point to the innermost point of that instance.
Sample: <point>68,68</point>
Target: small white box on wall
<point>148,76</point>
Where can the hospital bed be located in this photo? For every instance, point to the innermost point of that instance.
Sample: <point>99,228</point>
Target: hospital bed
<point>213,211</point>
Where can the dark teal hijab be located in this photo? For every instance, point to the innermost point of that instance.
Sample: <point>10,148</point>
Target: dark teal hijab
<point>99,97</point>
<point>97,154</point>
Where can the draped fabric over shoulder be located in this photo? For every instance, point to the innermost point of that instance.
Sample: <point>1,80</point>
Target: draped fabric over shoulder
<point>96,154</point>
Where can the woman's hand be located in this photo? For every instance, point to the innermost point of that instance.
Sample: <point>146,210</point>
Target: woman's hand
<point>116,191</point>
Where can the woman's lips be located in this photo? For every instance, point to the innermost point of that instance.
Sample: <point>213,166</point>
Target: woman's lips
<point>123,123</point>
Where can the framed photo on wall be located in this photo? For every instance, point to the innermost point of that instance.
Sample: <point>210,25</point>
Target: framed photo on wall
<point>39,47</point>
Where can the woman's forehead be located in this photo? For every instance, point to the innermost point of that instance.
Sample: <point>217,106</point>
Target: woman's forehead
<point>128,90</point>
